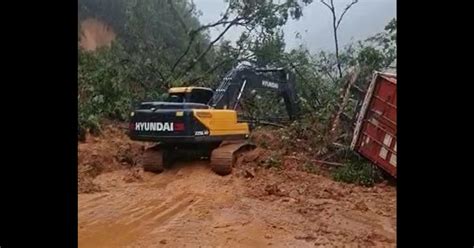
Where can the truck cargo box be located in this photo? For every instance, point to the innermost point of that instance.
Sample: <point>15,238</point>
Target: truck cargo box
<point>375,133</point>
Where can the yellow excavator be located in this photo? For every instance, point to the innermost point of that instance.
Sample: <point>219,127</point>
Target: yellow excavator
<point>200,122</point>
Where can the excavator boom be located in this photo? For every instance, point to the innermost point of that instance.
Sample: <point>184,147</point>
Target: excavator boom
<point>245,78</point>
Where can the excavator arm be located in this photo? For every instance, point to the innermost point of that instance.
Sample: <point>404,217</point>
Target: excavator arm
<point>243,79</point>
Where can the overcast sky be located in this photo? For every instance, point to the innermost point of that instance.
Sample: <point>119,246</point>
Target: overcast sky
<point>364,19</point>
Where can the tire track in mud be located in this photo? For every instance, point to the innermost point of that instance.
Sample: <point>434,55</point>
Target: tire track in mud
<point>133,221</point>
<point>118,219</point>
<point>189,206</point>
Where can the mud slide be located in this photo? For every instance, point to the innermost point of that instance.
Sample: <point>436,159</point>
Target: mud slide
<point>190,206</point>
<point>95,34</point>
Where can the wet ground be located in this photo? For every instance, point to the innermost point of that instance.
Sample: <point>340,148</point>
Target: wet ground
<point>190,206</point>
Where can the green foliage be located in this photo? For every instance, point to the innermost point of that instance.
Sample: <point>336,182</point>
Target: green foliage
<point>138,65</point>
<point>269,49</point>
<point>306,134</point>
<point>88,120</point>
<point>358,171</point>
<point>386,43</point>
<point>103,89</point>
<point>160,44</point>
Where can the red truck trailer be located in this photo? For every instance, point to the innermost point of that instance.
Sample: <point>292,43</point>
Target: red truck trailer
<point>375,133</point>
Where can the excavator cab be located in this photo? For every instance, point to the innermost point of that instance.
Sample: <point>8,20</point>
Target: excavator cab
<point>190,95</point>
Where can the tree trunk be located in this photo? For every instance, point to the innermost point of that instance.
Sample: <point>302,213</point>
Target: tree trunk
<point>336,42</point>
<point>344,100</point>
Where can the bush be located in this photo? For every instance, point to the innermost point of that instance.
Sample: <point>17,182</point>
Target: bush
<point>103,88</point>
<point>307,132</point>
<point>358,171</point>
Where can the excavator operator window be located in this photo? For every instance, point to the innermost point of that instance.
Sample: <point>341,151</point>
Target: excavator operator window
<point>200,96</point>
<point>176,97</point>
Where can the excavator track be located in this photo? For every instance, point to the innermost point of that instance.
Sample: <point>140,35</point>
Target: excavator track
<point>225,156</point>
<point>152,159</point>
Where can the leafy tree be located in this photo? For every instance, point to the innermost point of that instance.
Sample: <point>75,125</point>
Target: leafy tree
<point>160,43</point>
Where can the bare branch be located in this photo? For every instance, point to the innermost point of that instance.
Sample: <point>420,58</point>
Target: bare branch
<point>211,70</point>
<point>226,13</point>
<point>220,22</point>
<point>327,5</point>
<point>198,58</point>
<point>193,7</point>
<point>193,36</point>
<point>159,73</point>
<point>188,48</point>
<point>335,25</point>
<point>193,33</point>
<point>344,12</point>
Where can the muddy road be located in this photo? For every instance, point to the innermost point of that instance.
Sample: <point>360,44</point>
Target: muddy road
<point>189,206</point>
